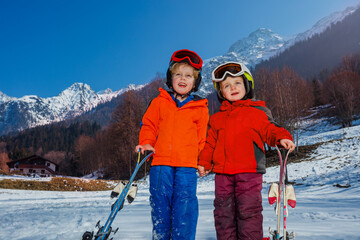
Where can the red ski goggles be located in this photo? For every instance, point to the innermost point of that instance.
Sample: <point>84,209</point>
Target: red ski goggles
<point>186,55</point>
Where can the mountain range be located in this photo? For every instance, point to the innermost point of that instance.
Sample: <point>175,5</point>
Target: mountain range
<point>320,49</point>
<point>30,111</point>
<point>263,44</point>
<point>79,98</point>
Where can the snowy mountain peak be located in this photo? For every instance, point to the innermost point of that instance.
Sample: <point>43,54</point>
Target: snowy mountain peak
<point>106,91</point>
<point>326,22</point>
<point>134,87</point>
<point>77,98</point>
<point>320,26</point>
<point>261,32</point>
<point>76,88</point>
<point>259,45</point>
<point>30,110</point>
<point>4,97</point>
<point>258,41</point>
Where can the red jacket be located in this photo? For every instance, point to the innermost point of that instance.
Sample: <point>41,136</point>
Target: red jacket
<point>236,137</point>
<point>177,134</point>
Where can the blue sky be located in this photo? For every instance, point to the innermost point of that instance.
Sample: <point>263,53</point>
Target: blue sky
<point>45,46</point>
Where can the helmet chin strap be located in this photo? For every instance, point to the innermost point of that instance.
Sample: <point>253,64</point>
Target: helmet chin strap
<point>176,94</point>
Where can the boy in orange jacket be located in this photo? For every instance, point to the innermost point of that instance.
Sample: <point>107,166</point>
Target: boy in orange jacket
<point>234,151</point>
<point>174,128</point>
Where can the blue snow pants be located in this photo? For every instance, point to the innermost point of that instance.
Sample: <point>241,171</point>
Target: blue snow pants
<point>174,205</point>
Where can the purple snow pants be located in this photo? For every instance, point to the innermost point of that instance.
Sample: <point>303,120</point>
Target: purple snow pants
<point>238,206</point>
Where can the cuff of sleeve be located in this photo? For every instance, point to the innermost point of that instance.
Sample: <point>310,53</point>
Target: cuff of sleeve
<point>147,142</point>
<point>206,165</point>
<point>284,137</point>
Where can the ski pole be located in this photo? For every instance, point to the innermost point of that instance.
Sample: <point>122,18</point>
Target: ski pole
<point>284,191</point>
<point>138,157</point>
<point>104,233</point>
<point>282,185</point>
<point>278,200</point>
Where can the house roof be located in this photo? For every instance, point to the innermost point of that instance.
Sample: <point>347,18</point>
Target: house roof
<point>30,158</point>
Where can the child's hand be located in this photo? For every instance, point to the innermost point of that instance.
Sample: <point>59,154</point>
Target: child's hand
<point>144,148</point>
<point>202,171</point>
<point>287,144</point>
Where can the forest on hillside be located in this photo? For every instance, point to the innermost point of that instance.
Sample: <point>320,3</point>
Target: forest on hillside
<point>82,148</point>
<point>321,51</point>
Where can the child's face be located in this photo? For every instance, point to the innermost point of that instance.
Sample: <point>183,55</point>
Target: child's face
<point>233,88</point>
<point>183,79</point>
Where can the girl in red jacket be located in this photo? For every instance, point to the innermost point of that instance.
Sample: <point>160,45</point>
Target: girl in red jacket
<point>234,151</point>
<point>174,128</point>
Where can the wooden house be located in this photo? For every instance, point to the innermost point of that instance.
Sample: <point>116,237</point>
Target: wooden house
<point>34,165</point>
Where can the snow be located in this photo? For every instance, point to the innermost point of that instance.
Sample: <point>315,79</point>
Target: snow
<point>327,187</point>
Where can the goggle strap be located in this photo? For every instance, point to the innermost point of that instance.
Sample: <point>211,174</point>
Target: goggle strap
<point>249,78</point>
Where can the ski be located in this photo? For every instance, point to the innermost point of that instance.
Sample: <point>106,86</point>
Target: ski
<point>106,230</point>
<point>288,198</point>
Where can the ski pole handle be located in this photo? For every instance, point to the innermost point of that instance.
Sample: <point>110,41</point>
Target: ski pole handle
<point>138,160</point>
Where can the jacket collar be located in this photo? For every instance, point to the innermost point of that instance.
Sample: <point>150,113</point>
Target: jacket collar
<point>226,105</point>
<point>190,101</point>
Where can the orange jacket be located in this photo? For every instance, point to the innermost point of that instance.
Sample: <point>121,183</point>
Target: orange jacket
<point>177,134</point>
<point>236,137</point>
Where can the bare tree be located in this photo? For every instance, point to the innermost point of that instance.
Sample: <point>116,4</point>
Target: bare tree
<point>124,131</point>
<point>84,154</point>
<point>4,158</point>
<point>55,156</point>
<point>351,63</point>
<point>286,94</point>
<point>317,90</point>
<point>3,147</point>
<point>342,92</point>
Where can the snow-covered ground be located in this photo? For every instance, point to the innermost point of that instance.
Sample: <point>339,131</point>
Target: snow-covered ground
<point>327,189</point>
